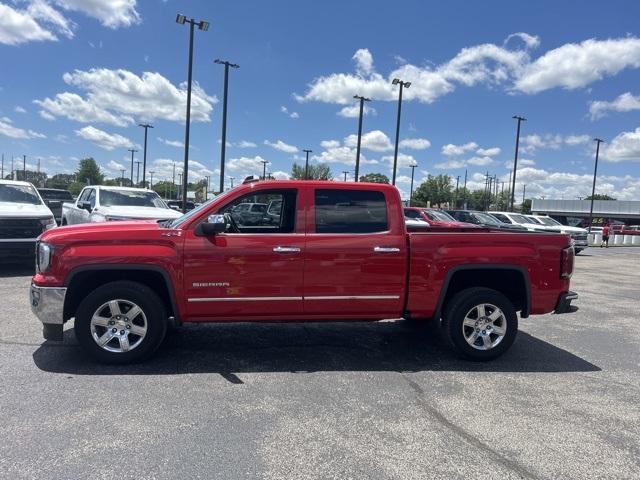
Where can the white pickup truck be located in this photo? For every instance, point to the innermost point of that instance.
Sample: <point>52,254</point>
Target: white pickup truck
<point>99,203</point>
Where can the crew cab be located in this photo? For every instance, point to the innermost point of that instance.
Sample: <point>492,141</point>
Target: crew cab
<point>103,204</point>
<point>54,198</point>
<point>338,251</point>
<point>577,234</point>
<point>524,221</point>
<point>23,217</point>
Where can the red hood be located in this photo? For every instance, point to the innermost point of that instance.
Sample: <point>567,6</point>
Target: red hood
<point>113,231</point>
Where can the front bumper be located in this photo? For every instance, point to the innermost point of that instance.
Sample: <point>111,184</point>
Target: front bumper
<point>47,303</point>
<point>564,302</point>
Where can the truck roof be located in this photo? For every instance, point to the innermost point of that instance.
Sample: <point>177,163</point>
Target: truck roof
<point>114,187</point>
<point>15,182</point>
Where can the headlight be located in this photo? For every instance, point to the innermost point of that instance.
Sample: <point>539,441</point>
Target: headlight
<point>48,223</point>
<point>43,257</point>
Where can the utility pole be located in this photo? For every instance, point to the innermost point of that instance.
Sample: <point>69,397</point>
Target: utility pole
<point>138,162</point>
<point>232,179</point>
<point>173,181</point>
<point>204,26</point>
<point>515,159</point>
<point>306,164</point>
<point>456,197</point>
<point>264,169</point>
<point>151,172</point>
<point>24,168</point>
<point>465,178</point>
<point>181,192</point>
<point>122,177</point>
<point>2,169</point>
<point>595,173</point>
<point>146,127</point>
<point>524,192</point>
<point>397,81</point>
<point>223,146</point>
<point>346,172</point>
<point>413,168</point>
<point>132,152</point>
<point>362,100</point>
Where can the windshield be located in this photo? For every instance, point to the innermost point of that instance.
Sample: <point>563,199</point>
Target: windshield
<point>130,198</point>
<point>535,220</point>
<point>19,194</point>
<point>438,216</point>
<point>548,221</point>
<point>56,195</point>
<point>486,219</point>
<point>521,219</point>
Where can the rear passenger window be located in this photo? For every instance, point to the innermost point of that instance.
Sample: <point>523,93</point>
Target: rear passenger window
<point>350,211</point>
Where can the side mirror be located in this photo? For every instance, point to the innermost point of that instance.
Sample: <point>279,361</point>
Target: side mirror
<point>215,224</point>
<point>85,206</point>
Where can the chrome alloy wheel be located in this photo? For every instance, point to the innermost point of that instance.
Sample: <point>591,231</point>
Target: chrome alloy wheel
<point>118,326</point>
<point>484,326</point>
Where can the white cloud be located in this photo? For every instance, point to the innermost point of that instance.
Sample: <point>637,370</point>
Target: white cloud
<point>19,109</point>
<point>115,96</point>
<point>246,144</point>
<point>114,166</point>
<point>353,111</point>
<point>74,107</point>
<point>623,103</point>
<point>452,150</point>
<point>286,111</point>
<point>280,145</point>
<point>329,143</point>
<point>530,41</point>
<point>488,152</point>
<point>108,141</point>
<point>575,65</point>
<point>374,140</point>
<point>550,141</point>
<point>280,175</point>
<point>625,146</point>
<point>480,161</point>
<point>342,154</point>
<point>246,165</point>
<point>415,143</point>
<point>172,143</point>
<point>18,26</point>
<point>450,165</point>
<point>163,169</point>
<point>364,61</point>
<point>577,139</point>
<point>9,130</point>
<point>522,162</point>
<point>111,13</point>
<point>404,160</point>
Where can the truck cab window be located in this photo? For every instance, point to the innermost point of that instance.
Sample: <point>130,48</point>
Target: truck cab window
<point>350,211</point>
<point>267,211</point>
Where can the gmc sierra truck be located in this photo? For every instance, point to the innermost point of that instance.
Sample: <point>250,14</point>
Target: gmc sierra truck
<point>328,251</point>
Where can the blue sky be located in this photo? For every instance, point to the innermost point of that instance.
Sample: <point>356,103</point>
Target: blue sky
<point>78,76</point>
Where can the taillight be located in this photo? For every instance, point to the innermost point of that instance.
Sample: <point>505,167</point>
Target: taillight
<point>566,262</point>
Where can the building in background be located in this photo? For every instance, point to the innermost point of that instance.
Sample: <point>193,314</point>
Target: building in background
<point>576,212</point>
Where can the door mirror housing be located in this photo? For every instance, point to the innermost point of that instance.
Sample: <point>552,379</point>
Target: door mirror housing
<point>215,224</point>
<point>85,206</point>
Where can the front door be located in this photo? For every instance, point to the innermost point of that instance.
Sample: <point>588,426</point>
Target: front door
<point>255,268</point>
<point>356,255</point>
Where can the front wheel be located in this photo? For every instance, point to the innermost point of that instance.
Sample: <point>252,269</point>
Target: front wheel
<point>121,322</point>
<point>480,323</point>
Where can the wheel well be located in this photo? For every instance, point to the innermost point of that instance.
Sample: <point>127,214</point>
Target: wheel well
<point>510,282</point>
<point>84,282</point>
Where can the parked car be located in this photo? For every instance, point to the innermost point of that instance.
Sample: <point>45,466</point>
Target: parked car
<point>177,205</point>
<point>23,217</point>
<point>522,220</point>
<point>341,252</point>
<point>54,198</point>
<point>435,218</point>
<point>105,204</point>
<point>250,213</point>
<point>577,234</point>
<point>483,219</point>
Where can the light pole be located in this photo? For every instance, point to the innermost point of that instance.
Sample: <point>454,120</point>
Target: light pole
<point>223,146</point>
<point>179,191</point>
<point>122,177</point>
<point>345,174</point>
<point>2,171</point>
<point>456,199</point>
<point>24,168</point>
<point>206,192</point>
<point>264,169</point>
<point>146,127</point>
<point>232,179</point>
<point>306,164</point>
<point>173,181</point>
<point>595,173</point>
<point>413,168</point>
<point>524,192</point>
<point>204,26</point>
<point>138,162</point>
<point>515,159</point>
<point>397,81</point>
<point>132,150</point>
<point>362,100</point>
<point>151,172</point>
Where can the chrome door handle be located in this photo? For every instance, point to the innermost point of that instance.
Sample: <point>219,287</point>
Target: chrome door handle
<point>386,250</point>
<point>286,249</point>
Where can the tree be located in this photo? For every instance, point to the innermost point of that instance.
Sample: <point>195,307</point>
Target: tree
<point>89,172</point>
<point>61,181</point>
<point>321,171</point>
<point>526,206</point>
<point>166,189</point>
<point>374,178</point>
<point>39,179</point>
<point>436,190</point>
<point>600,196</point>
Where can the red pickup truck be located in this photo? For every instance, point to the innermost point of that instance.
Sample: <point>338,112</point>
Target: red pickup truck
<point>318,251</point>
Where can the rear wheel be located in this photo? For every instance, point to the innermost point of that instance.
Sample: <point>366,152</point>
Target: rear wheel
<point>121,322</point>
<point>480,323</point>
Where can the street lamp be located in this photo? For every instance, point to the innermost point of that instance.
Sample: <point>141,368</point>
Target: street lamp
<point>515,160</point>
<point>151,172</point>
<point>122,177</point>
<point>595,172</point>
<point>223,146</point>
<point>204,26</point>
<point>346,172</point>
<point>232,179</point>
<point>138,162</point>
<point>264,169</point>
<point>146,127</point>
<point>306,164</point>
<point>362,100</point>
<point>397,81</point>
<point>413,167</point>
<point>132,152</point>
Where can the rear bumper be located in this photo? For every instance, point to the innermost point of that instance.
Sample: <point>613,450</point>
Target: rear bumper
<point>564,302</point>
<point>47,303</point>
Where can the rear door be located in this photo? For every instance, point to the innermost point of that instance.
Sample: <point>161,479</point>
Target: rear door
<point>356,254</point>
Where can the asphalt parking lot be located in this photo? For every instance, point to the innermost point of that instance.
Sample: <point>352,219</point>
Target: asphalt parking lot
<point>383,400</point>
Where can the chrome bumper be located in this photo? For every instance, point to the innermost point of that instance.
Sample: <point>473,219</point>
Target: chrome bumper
<point>47,303</point>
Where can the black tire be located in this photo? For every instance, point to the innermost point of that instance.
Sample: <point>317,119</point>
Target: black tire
<point>151,305</point>
<point>463,303</point>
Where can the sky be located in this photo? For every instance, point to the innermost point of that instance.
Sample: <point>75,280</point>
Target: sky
<point>78,76</point>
